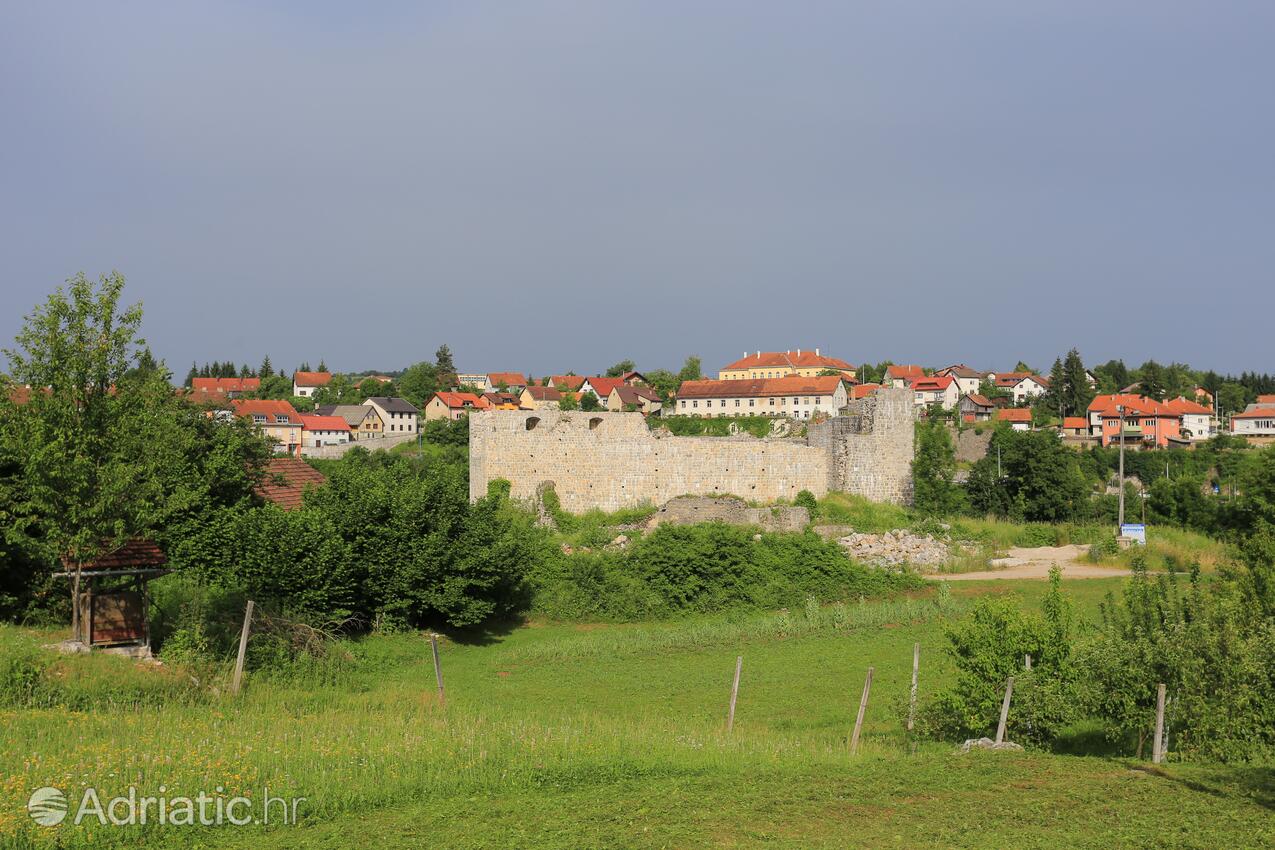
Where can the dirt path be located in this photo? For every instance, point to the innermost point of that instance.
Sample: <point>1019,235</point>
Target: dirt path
<point>1035,564</point>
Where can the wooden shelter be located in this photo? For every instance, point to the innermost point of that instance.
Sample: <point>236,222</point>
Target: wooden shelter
<point>113,602</point>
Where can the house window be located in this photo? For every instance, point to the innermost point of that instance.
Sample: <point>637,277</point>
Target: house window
<point>259,418</point>
<point>737,402</point>
<point>772,401</point>
<point>695,403</point>
<point>752,402</point>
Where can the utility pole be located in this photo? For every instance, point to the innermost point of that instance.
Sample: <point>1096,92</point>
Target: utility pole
<point>1120,433</point>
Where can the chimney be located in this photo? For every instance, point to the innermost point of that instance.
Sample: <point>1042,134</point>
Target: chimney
<point>798,352</point>
<point>759,353</point>
<point>816,352</point>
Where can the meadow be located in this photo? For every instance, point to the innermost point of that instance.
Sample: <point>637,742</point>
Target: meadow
<point>584,735</point>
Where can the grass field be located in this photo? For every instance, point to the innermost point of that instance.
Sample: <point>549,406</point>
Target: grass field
<point>580,736</point>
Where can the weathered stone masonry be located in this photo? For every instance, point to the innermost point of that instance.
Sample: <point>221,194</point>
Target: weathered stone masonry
<point>612,460</point>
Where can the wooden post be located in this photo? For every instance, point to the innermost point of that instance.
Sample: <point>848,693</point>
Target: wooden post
<point>1157,746</point>
<point>1027,661</point>
<point>438,669</point>
<point>1000,728</point>
<point>916,664</point>
<point>863,707</point>
<point>734,694</point>
<point>243,648</point>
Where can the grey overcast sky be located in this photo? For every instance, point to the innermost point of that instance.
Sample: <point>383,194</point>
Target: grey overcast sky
<point>552,186</point>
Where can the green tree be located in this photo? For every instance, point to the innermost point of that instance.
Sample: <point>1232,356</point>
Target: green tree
<point>690,370</point>
<point>589,402</point>
<point>191,376</point>
<point>933,471</point>
<point>266,369</point>
<point>1232,397</point>
<point>418,383</point>
<point>1153,380</point>
<point>445,367</point>
<point>1078,391</point>
<point>1057,397</point>
<point>323,367</point>
<point>619,369</point>
<point>1031,476</point>
<point>569,401</point>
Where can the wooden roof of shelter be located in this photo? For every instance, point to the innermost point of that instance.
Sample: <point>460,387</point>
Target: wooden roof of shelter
<point>286,480</point>
<point>135,556</point>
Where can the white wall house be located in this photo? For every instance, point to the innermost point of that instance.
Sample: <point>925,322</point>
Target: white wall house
<point>943,391</point>
<point>306,384</point>
<point>318,431</point>
<point>793,397</point>
<point>398,415</point>
<point>1259,422</point>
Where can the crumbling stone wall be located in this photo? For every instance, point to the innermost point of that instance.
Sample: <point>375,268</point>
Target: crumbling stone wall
<point>612,460</point>
<point>689,510</point>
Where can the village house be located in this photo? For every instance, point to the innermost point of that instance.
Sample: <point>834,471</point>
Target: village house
<point>566,382</point>
<point>1135,419</point>
<point>902,376</point>
<point>858,391</point>
<point>1074,426</point>
<point>942,391</point>
<point>1259,421</point>
<point>1019,418</point>
<point>306,384</point>
<point>228,387</point>
<point>795,397</point>
<point>399,415</point>
<point>779,364</point>
<point>364,422</point>
<point>286,482</point>
<point>641,399</point>
<point>634,379</point>
<point>503,401</point>
<point>513,382</point>
<point>967,380</point>
<point>539,398</point>
<point>318,431</point>
<point>454,405</point>
<point>1195,420</point>
<point>976,408</point>
<point>278,420</point>
<point>1021,386</point>
<point>477,380</point>
<point>600,387</point>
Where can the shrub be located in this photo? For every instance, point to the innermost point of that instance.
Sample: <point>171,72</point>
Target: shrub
<point>806,499</point>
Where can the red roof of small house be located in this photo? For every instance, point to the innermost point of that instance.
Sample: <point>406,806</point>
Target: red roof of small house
<point>1137,405</point>
<point>1006,380</point>
<point>1256,413</point>
<point>225,385</point>
<point>794,385</point>
<point>1014,414</point>
<point>1076,422</point>
<point>133,553</point>
<point>286,480</point>
<point>603,386</point>
<point>978,400</point>
<point>863,390</point>
<point>634,395</point>
<point>960,370</point>
<point>501,398</point>
<point>544,393</point>
<point>1266,399</point>
<point>1182,406</point>
<point>904,372</point>
<point>931,385</point>
<point>459,401</point>
<point>311,379</point>
<point>267,407</point>
<point>571,382</point>
<point>512,379</point>
<point>311,422</point>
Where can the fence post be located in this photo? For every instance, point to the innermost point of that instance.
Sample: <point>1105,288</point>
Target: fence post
<point>916,664</point>
<point>1000,727</point>
<point>1157,746</point>
<point>243,648</point>
<point>734,694</point>
<point>438,669</point>
<point>1028,661</point>
<point>863,707</point>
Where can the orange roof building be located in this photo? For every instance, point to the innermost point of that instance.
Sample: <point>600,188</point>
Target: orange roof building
<point>806,363</point>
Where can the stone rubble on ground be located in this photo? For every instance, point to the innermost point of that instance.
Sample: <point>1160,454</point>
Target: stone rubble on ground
<point>988,744</point>
<point>899,547</point>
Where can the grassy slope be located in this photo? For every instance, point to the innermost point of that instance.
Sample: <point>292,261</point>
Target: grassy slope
<point>548,742</point>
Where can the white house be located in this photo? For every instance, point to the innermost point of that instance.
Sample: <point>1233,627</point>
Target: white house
<point>473,379</point>
<point>1022,386</point>
<point>318,431</point>
<point>399,415</point>
<point>943,391</point>
<point>1257,422</point>
<point>305,384</point>
<point>1196,419</point>
<point>967,380</point>
<point>794,396</point>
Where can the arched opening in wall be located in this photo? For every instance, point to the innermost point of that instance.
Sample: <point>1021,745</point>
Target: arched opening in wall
<point>594,423</point>
<point>532,422</point>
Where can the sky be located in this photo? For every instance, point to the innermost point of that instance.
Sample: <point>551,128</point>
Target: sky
<point>557,186</point>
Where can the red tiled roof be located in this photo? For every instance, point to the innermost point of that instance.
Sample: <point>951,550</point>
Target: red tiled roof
<point>960,370</point>
<point>1077,422</point>
<point>800,359</point>
<point>981,401</point>
<point>904,372</point>
<point>458,401</point>
<point>286,480</point>
<point>512,379</point>
<point>225,385</point>
<point>312,422</point>
<point>603,386</point>
<point>863,390</point>
<point>1010,379</point>
<point>544,393</point>
<point>1182,405</point>
<point>932,384</point>
<point>268,407</point>
<point>134,553</point>
<point>760,387</point>
<point>1256,413</point>
<point>1014,414</point>
<point>634,395</point>
<point>571,382</point>
<point>1133,404</point>
<point>311,379</point>
<point>1266,399</point>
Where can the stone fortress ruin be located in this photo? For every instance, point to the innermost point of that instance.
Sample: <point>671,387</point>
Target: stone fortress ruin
<point>613,460</point>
